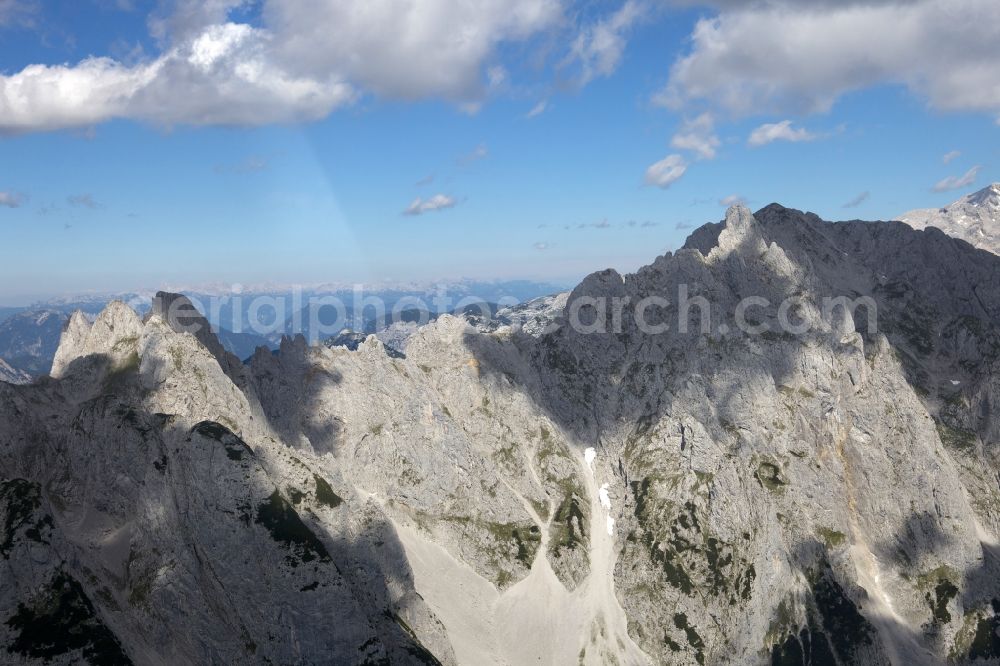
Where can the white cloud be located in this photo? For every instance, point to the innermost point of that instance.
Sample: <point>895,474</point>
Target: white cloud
<point>537,109</point>
<point>731,200</point>
<point>599,48</point>
<point>408,50</point>
<point>858,200</point>
<point>957,182</point>
<point>698,136</point>
<point>11,199</point>
<point>18,12</point>
<point>224,76</point>
<point>542,246</point>
<point>666,172</point>
<point>304,60</point>
<point>949,157</point>
<point>782,131</point>
<point>437,202</point>
<point>943,50</point>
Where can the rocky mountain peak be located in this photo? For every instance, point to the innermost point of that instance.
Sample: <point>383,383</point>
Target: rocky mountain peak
<point>988,196</point>
<point>699,496</point>
<point>177,312</point>
<point>974,218</point>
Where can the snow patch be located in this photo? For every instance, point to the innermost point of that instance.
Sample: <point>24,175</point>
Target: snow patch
<point>955,382</point>
<point>605,498</point>
<point>588,455</point>
<point>611,525</point>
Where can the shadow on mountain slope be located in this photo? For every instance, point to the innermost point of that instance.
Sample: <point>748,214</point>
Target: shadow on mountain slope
<point>137,533</point>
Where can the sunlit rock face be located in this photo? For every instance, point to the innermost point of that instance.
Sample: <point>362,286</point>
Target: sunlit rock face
<point>560,483</point>
<point>975,218</point>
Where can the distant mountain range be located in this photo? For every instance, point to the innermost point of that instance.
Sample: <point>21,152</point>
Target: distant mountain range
<point>975,218</point>
<point>244,321</point>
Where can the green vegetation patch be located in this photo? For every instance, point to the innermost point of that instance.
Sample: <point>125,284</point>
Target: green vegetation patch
<point>236,448</point>
<point>690,558</point>
<point>21,500</point>
<point>832,538</point>
<point>285,526</point>
<point>943,593</point>
<point>769,476</point>
<point>325,494</point>
<point>956,438</point>
<point>61,621</point>
<point>569,525</point>
<point>844,625</point>
<point>693,638</point>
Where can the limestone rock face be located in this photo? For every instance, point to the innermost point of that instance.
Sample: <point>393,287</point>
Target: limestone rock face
<point>975,218</point>
<point>704,462</point>
<point>13,375</point>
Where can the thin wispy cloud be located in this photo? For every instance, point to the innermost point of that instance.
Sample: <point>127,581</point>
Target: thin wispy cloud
<point>957,182</point>
<point>542,246</point>
<point>250,164</point>
<point>782,131</point>
<point>83,201</point>
<point>12,199</point>
<point>19,13</point>
<point>666,172</point>
<point>950,157</point>
<point>858,200</point>
<point>732,200</point>
<point>438,202</point>
<point>480,152</point>
<point>426,180</point>
<point>698,136</point>
<point>598,48</point>
<point>538,109</point>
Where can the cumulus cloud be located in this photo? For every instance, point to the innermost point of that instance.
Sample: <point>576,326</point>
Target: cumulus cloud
<point>224,76</point>
<point>299,62</point>
<point>11,199</point>
<point>667,171</point>
<point>782,131</point>
<point>858,200</point>
<point>438,202</point>
<point>698,136</point>
<point>943,50</point>
<point>83,201</point>
<point>957,182</point>
<point>598,49</point>
<point>951,156</point>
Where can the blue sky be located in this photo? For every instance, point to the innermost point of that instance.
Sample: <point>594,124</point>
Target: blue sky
<point>136,151</point>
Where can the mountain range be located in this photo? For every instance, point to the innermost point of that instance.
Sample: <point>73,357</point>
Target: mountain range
<point>247,319</point>
<point>534,486</point>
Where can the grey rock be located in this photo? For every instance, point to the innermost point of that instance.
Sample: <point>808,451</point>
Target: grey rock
<point>975,218</point>
<point>517,490</point>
